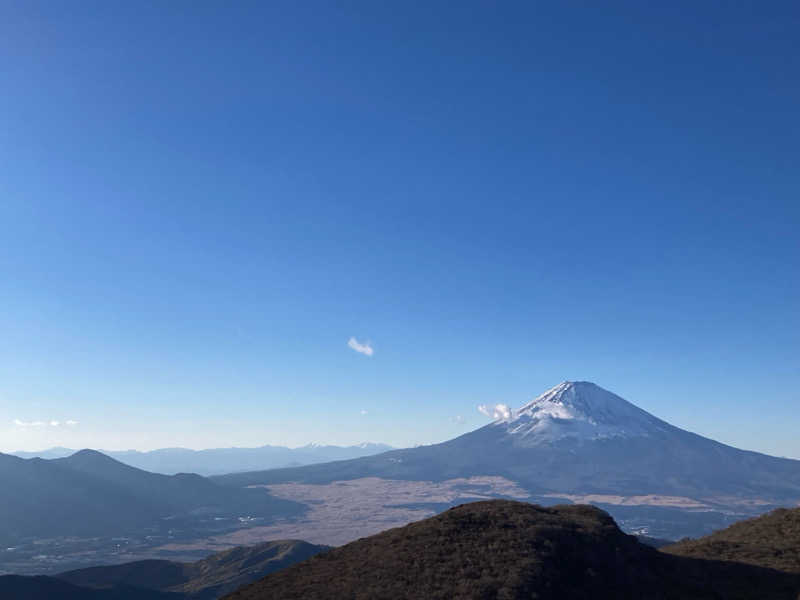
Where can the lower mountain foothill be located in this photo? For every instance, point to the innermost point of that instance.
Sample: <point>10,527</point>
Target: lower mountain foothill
<point>771,540</point>
<point>205,579</point>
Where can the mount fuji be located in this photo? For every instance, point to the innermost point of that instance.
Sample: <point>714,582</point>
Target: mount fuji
<point>580,411</point>
<point>580,442</point>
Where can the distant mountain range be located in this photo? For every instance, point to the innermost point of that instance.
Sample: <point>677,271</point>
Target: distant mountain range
<point>216,461</point>
<point>582,443</point>
<point>90,494</point>
<point>205,579</point>
<point>516,551</point>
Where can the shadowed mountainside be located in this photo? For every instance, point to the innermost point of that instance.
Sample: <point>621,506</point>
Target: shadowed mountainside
<point>18,587</point>
<point>772,540</point>
<point>205,579</point>
<point>90,494</point>
<point>513,550</point>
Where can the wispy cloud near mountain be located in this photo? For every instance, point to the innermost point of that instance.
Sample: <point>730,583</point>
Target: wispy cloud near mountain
<point>498,411</point>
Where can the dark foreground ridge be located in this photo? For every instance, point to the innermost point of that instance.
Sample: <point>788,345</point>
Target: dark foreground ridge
<point>772,540</point>
<point>510,550</point>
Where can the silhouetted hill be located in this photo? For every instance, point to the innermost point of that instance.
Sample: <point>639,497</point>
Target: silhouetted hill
<point>17,587</point>
<point>90,494</point>
<point>178,492</point>
<point>205,579</point>
<point>772,540</point>
<point>513,550</point>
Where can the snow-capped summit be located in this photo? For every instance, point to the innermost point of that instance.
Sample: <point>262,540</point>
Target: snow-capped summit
<point>578,409</point>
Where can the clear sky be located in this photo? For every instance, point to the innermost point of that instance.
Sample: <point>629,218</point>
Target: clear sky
<point>203,202</point>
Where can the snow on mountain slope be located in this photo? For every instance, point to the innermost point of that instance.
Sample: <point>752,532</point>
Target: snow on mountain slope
<point>579,410</point>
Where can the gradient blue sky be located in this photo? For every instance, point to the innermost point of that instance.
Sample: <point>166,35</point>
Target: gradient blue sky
<point>203,202</point>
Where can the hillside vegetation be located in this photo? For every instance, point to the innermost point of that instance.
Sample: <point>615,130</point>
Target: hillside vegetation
<point>772,540</point>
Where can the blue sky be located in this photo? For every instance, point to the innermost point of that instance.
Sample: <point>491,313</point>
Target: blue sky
<point>202,203</point>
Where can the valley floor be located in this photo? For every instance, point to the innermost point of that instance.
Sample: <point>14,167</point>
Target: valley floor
<point>343,511</point>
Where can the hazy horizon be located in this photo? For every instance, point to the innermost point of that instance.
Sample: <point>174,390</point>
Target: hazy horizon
<point>485,409</point>
<point>182,448</point>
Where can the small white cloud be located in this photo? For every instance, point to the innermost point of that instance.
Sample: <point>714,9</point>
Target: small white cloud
<point>458,419</point>
<point>364,348</point>
<point>51,423</point>
<point>19,423</point>
<point>498,411</point>
<point>363,412</point>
